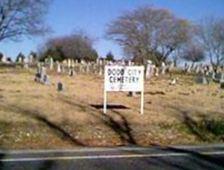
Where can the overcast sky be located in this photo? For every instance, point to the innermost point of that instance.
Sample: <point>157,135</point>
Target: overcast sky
<point>92,16</point>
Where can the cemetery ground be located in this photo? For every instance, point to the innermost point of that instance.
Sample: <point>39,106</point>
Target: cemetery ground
<point>36,116</point>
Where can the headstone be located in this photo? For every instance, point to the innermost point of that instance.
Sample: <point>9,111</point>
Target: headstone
<point>100,68</point>
<point>149,69</point>
<point>38,73</point>
<point>213,75</point>
<point>62,68</point>
<point>46,61</point>
<point>87,67</point>
<point>51,63</point>
<point>69,63</point>
<point>201,69</point>
<point>192,66</point>
<point>41,76</point>
<point>73,64</point>
<point>39,67</point>
<point>173,81</point>
<point>210,69</point>
<point>30,59</point>
<point>163,68</point>
<point>83,62</point>
<point>221,80</point>
<point>185,67</point>
<point>43,73</point>
<point>20,60</point>
<point>4,59</point>
<point>60,87</point>
<point>189,68</point>
<point>197,69</point>
<point>222,85</point>
<point>46,80</point>
<point>97,61</point>
<point>219,69</point>
<point>26,63</point>
<point>202,79</point>
<point>64,62</point>
<point>37,77</point>
<point>71,72</point>
<point>219,77</point>
<point>122,62</point>
<point>58,67</point>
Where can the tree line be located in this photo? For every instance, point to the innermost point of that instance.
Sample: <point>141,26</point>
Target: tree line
<point>145,33</point>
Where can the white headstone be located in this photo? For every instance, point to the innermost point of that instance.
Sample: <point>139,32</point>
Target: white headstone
<point>58,67</point>
<point>51,63</point>
<point>163,68</point>
<point>4,59</point>
<point>149,69</point>
<point>69,63</point>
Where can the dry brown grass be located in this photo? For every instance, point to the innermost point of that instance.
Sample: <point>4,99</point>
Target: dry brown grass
<point>37,116</point>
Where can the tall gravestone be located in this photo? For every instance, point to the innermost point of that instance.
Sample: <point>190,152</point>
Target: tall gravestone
<point>149,69</point>
<point>26,63</point>
<point>51,63</point>
<point>197,69</point>
<point>60,87</point>
<point>188,68</point>
<point>100,68</point>
<point>69,63</point>
<point>58,67</point>
<point>163,68</point>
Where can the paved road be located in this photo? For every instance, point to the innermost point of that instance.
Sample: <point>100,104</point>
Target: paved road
<point>120,158</point>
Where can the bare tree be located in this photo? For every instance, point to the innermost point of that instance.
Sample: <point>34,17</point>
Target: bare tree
<point>20,18</point>
<point>211,36</point>
<point>149,33</point>
<point>192,52</point>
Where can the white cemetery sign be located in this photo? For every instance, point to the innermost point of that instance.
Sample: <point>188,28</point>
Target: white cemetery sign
<point>124,78</point>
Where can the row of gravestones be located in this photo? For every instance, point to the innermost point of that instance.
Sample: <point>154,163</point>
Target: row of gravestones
<point>216,77</point>
<point>68,66</point>
<point>152,70</point>
<point>73,66</point>
<point>98,67</point>
<point>206,73</point>
<point>202,69</point>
